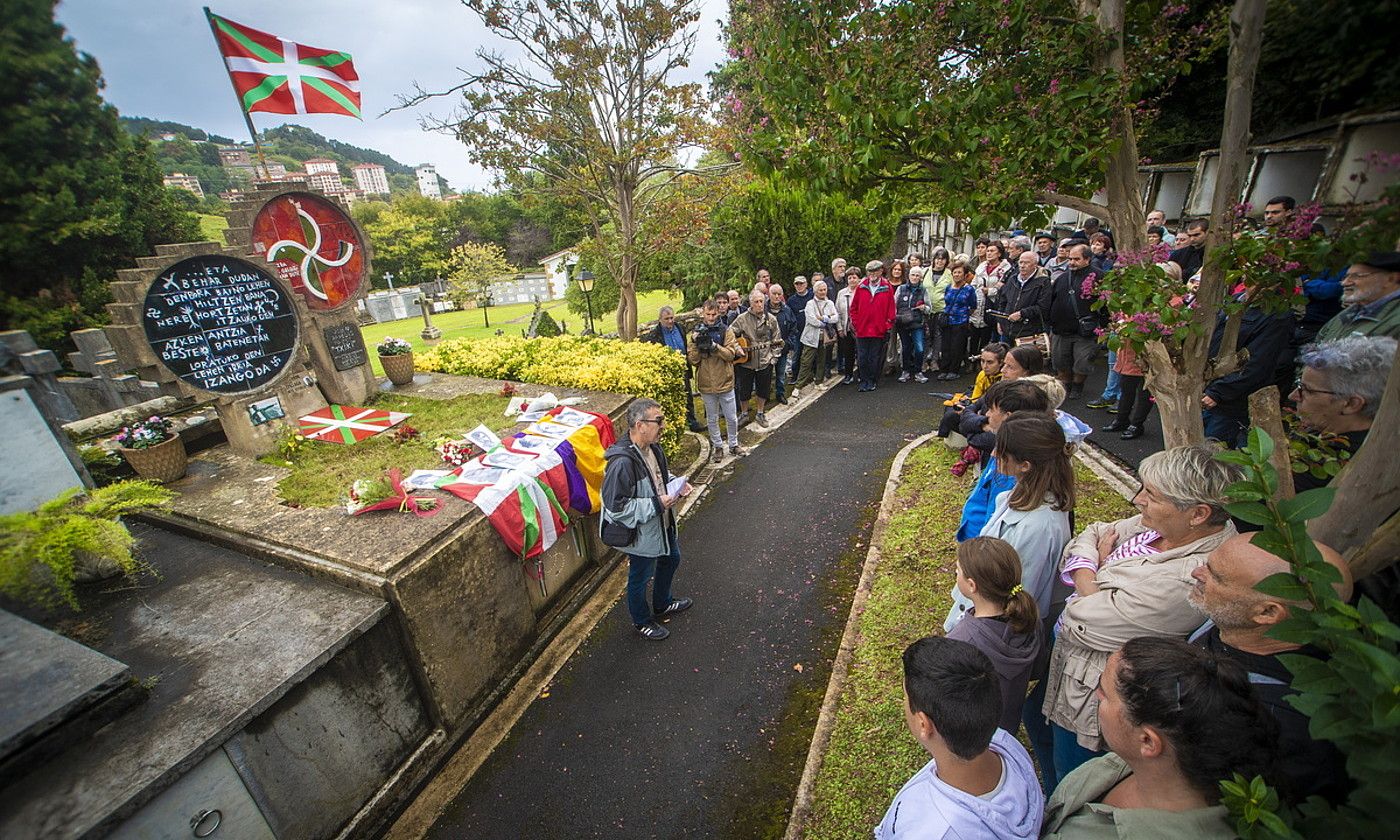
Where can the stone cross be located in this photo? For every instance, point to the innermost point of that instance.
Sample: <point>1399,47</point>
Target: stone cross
<point>430,332</point>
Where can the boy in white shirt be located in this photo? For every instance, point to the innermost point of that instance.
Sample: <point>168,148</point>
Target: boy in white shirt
<point>980,782</point>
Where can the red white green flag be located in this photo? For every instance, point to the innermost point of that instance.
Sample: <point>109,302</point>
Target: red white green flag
<point>279,76</point>
<point>347,424</point>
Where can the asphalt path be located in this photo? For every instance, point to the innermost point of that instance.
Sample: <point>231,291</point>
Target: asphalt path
<point>705,734</point>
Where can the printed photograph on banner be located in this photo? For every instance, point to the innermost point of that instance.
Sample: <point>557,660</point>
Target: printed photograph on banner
<point>484,438</point>
<point>507,460</point>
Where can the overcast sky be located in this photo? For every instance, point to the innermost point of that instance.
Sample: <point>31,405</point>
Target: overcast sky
<point>159,60</point>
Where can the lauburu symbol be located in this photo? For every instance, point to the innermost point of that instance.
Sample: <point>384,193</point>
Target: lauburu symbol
<point>310,270</point>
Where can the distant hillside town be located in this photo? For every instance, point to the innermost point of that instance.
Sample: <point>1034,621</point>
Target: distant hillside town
<point>209,165</point>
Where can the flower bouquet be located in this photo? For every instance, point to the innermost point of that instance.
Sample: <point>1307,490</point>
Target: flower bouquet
<point>454,452</point>
<point>387,493</point>
<point>391,346</point>
<point>143,434</point>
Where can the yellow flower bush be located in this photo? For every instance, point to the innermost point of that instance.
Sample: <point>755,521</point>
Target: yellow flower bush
<point>590,363</point>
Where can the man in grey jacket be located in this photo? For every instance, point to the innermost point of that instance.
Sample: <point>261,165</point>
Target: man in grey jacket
<point>638,518</point>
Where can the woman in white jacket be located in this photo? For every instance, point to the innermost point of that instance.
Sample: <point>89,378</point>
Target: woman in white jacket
<point>1033,516</point>
<point>818,328</point>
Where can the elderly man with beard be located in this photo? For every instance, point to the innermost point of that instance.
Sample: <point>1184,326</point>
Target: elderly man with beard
<point>1240,620</point>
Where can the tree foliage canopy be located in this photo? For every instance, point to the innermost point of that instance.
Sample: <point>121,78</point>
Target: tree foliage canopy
<point>989,108</point>
<point>79,196</point>
<point>589,104</point>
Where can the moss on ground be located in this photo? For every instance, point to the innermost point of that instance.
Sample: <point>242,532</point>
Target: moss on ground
<point>321,473</point>
<point>871,753</point>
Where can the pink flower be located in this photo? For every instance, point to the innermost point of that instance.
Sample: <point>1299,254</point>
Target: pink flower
<point>1054,86</point>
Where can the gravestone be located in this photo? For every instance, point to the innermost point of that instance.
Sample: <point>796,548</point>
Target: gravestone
<point>205,321</point>
<point>34,465</point>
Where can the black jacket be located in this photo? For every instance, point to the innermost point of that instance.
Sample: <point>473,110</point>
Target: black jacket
<point>1266,336</point>
<point>1068,304</point>
<point>1306,766</point>
<point>1190,258</point>
<point>1032,300</point>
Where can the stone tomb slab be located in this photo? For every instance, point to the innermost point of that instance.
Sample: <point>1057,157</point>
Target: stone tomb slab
<point>468,604</point>
<point>219,638</point>
<point>46,679</point>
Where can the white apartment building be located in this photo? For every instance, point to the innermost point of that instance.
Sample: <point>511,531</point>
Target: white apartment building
<point>318,165</point>
<point>326,182</point>
<point>185,182</point>
<point>370,178</point>
<point>428,180</point>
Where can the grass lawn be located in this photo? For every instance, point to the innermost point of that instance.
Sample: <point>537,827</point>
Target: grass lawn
<point>323,472</point>
<point>212,227</point>
<point>512,319</point>
<point>871,753</point>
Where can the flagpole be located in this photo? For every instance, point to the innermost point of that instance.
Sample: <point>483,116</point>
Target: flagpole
<point>247,117</point>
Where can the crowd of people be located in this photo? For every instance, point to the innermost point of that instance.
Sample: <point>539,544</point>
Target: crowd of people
<point>1136,653</point>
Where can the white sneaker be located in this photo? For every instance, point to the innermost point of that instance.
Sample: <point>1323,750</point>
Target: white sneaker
<point>903,377</point>
<point>920,378</point>
<point>796,394</point>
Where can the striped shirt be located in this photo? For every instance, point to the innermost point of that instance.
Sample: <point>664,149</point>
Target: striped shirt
<point>1138,546</point>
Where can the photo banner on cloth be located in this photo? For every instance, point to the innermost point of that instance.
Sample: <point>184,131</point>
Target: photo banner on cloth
<point>571,490</point>
<point>590,436</point>
<point>522,508</point>
<point>348,424</point>
<point>543,463</point>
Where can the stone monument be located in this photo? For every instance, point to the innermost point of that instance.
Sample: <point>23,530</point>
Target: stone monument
<point>203,321</point>
<point>314,246</point>
<point>267,326</point>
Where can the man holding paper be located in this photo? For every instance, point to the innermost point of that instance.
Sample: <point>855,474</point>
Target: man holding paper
<point>638,518</point>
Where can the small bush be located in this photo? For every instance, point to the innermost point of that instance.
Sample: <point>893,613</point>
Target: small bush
<point>546,327</point>
<point>593,364</point>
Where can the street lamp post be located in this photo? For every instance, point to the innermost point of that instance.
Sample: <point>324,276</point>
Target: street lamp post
<point>585,285</point>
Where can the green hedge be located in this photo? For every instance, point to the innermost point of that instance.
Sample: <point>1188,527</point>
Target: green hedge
<point>594,364</point>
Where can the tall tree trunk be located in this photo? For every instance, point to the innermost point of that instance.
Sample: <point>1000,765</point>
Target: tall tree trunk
<point>1177,392</point>
<point>1120,177</point>
<point>1179,383</point>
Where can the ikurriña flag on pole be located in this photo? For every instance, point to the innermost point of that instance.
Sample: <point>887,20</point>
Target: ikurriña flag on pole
<point>278,76</point>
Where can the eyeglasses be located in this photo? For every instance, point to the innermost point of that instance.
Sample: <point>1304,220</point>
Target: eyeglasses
<point>659,421</point>
<point>1307,389</point>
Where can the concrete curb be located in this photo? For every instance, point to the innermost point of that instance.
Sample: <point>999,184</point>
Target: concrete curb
<point>826,720</point>
<point>1108,470</point>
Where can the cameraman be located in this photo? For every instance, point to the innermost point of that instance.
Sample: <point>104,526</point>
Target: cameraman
<point>713,349</point>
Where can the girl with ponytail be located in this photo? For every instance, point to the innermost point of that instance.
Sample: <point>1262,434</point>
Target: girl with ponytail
<point>1003,623</point>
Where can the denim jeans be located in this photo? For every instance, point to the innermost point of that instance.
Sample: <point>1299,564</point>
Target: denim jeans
<point>1112,390</point>
<point>715,405</point>
<point>911,348</point>
<point>1069,754</point>
<point>780,378</point>
<point>1224,428</point>
<point>1038,733</point>
<point>640,570</point>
